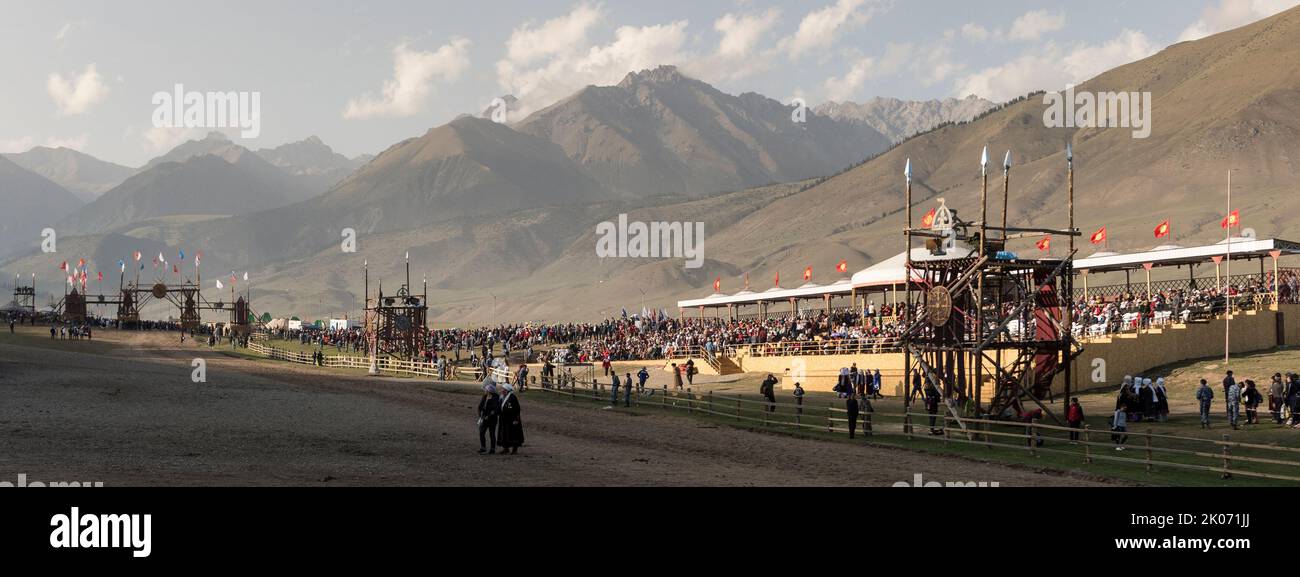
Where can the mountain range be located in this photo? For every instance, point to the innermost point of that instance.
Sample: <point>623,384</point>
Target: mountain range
<point>500,219</point>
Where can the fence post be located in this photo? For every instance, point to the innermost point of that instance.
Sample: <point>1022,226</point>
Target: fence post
<point>1148,443</point>
<point>1227,457</point>
<point>1087,443</point>
<point>664,399</point>
<point>737,409</point>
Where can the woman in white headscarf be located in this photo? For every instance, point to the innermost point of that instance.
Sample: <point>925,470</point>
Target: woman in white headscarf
<point>489,409</point>
<point>1162,400</point>
<point>511,429</point>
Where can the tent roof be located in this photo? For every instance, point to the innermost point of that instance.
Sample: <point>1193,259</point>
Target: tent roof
<point>1170,255</point>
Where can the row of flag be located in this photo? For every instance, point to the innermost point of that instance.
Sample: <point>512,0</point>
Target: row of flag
<point>842,268</point>
<point>1162,230</point>
<point>79,272</point>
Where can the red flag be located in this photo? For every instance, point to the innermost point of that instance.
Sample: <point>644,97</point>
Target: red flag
<point>777,281</point>
<point>137,256</point>
<point>746,281</point>
<point>81,263</point>
<point>928,220</point>
<point>1099,237</point>
<point>1045,245</point>
<point>176,270</point>
<point>717,284</point>
<point>1163,229</point>
<point>807,274</point>
<point>64,266</point>
<point>1233,219</point>
<point>843,267</point>
<point>100,274</point>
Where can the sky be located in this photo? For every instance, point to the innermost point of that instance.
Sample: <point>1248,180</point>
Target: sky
<point>365,75</point>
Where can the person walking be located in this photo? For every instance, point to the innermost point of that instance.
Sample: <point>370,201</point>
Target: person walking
<point>627,390</point>
<point>1229,382</point>
<point>511,428</point>
<point>851,408</point>
<point>677,377</point>
<point>768,390</point>
<point>1075,417</point>
<point>1204,395</point>
<point>641,377</point>
<point>613,391</point>
<point>1233,398</point>
<point>489,410</point>
<point>1251,398</point>
<point>1276,396</point>
<point>1119,428</point>
<point>875,384</point>
<point>932,407</point>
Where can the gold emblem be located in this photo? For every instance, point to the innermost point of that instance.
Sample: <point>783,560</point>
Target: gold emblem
<point>938,303</point>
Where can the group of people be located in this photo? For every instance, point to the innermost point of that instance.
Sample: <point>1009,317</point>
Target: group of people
<point>861,383</point>
<point>1283,400</point>
<point>499,420</point>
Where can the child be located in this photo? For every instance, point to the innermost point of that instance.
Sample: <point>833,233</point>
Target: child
<point>1075,416</point>
<point>1119,428</point>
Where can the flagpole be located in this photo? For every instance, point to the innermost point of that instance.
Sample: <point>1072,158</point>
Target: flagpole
<point>1227,325</point>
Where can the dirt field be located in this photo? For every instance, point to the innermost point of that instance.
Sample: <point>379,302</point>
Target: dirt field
<point>123,410</point>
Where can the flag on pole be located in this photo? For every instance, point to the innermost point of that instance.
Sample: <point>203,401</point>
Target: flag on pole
<point>927,221</point>
<point>1045,245</point>
<point>984,161</point>
<point>181,254</point>
<point>100,274</point>
<point>161,258</point>
<point>1162,230</point>
<point>219,286</point>
<point>807,274</point>
<point>776,281</point>
<point>245,276</point>
<point>137,256</point>
<point>81,263</point>
<point>121,264</point>
<point>176,269</point>
<point>746,281</point>
<point>907,170</point>
<point>843,267</point>
<point>1233,219</point>
<point>717,284</point>
<point>1099,237</point>
<point>64,267</point>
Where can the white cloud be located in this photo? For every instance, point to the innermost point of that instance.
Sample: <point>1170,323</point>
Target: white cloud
<point>1036,24</point>
<point>975,32</point>
<point>1229,14</point>
<point>930,64</point>
<point>1052,67</point>
<point>742,33</point>
<point>77,142</point>
<point>820,29</point>
<point>414,74</point>
<point>63,31</point>
<point>557,69</point>
<point>21,144</point>
<point>76,94</point>
<point>738,54</point>
<point>557,36</point>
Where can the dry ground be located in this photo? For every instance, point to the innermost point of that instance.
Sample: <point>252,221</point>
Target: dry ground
<point>123,410</point>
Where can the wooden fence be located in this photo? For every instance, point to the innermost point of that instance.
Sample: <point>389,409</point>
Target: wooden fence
<point>1223,456</point>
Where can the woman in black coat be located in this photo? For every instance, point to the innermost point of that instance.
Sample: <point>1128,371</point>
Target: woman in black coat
<point>489,408</point>
<point>511,430</point>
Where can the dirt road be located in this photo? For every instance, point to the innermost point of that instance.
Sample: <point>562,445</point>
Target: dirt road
<point>123,410</point>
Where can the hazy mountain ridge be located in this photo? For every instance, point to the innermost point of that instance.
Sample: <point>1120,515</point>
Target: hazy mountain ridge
<point>31,203</point>
<point>79,173</point>
<point>899,120</point>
